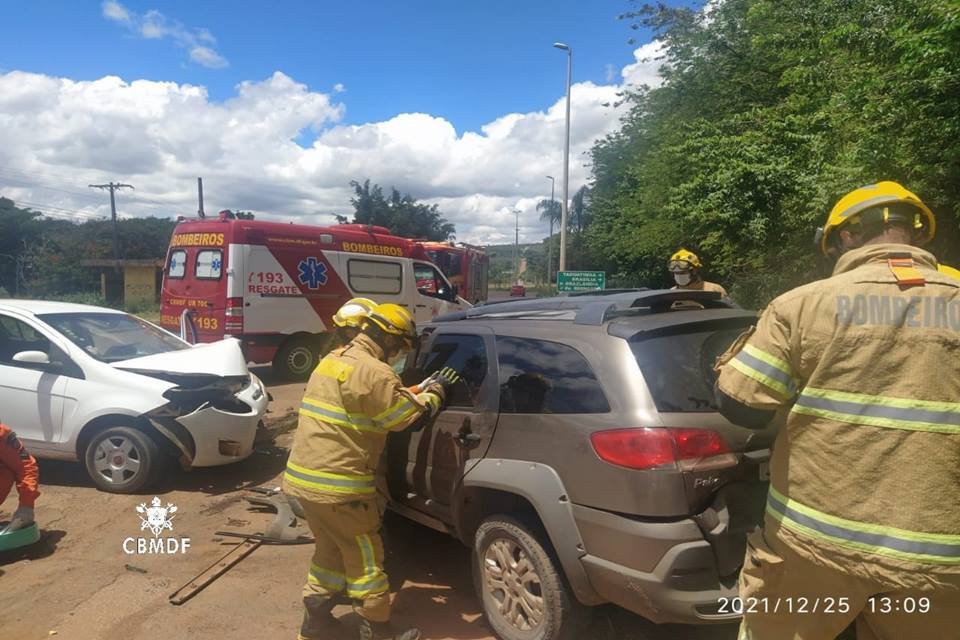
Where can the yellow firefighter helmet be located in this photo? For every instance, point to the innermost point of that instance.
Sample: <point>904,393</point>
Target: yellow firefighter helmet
<point>879,202</point>
<point>353,311</point>
<point>395,320</point>
<point>683,260</point>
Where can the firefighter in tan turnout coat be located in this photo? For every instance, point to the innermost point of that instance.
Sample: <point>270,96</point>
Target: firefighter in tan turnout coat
<point>863,513</point>
<point>353,399</point>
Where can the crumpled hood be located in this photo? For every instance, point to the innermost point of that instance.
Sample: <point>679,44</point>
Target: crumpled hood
<point>221,359</point>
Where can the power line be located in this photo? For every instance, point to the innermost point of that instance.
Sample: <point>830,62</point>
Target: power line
<point>26,179</point>
<point>32,185</point>
<point>63,210</point>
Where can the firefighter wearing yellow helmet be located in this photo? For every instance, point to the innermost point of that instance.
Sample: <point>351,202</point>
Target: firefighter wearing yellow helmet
<point>352,401</point>
<point>349,317</point>
<point>685,266</point>
<point>862,516</point>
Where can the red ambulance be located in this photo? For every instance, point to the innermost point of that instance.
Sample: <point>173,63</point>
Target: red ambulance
<point>275,286</point>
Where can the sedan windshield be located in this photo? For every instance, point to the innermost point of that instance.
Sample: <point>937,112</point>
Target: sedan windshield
<point>111,337</point>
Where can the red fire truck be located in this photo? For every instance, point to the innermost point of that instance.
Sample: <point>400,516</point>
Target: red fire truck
<point>466,266</point>
<point>275,286</point>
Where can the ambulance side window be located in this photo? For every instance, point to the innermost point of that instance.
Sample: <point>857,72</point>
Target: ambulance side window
<point>209,264</point>
<point>430,282</point>
<point>178,264</point>
<point>374,276</point>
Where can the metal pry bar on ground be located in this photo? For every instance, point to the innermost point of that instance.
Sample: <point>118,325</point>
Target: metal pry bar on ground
<point>214,571</point>
<point>283,530</point>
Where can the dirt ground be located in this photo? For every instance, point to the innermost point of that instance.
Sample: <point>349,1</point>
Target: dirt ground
<point>79,584</point>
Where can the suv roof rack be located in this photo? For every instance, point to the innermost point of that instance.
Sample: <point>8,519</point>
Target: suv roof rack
<point>591,308</point>
<point>601,292</point>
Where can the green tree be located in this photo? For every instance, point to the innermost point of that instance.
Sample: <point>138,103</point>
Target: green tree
<point>400,213</point>
<point>20,230</point>
<point>770,111</point>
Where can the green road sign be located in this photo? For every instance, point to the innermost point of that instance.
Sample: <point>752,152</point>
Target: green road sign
<point>581,280</point>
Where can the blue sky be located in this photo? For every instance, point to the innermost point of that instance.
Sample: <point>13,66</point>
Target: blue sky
<point>445,100</point>
<point>466,61</point>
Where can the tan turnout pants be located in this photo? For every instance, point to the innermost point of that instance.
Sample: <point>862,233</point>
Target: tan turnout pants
<point>787,597</point>
<point>348,555</point>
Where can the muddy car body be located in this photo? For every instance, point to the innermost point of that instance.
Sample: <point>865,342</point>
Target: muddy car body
<point>122,395</point>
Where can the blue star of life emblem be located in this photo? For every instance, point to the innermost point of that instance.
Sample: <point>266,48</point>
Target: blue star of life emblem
<point>312,273</point>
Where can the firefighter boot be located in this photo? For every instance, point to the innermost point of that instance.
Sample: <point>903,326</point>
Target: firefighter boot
<point>386,631</point>
<point>318,620</point>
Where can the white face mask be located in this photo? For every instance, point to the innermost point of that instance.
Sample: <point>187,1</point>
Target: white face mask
<point>682,279</point>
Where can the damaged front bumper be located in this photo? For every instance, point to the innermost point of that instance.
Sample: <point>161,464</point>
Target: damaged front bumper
<point>214,424</point>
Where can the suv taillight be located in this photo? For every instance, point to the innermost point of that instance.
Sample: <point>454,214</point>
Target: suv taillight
<point>233,323</point>
<point>647,447</point>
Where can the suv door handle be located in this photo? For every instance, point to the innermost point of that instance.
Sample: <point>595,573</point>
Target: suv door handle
<point>465,437</point>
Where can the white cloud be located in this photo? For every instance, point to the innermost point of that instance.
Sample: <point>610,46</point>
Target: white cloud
<point>610,73</point>
<point>646,69</point>
<point>207,57</point>
<point>60,135</point>
<point>115,11</point>
<point>154,25</point>
<point>339,88</point>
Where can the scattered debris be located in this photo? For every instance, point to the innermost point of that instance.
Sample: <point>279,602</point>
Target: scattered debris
<point>285,529</point>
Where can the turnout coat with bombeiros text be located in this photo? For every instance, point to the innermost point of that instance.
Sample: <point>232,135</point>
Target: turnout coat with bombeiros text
<point>865,476</point>
<point>352,401</point>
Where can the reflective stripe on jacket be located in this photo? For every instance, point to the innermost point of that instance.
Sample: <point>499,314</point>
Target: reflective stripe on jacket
<point>352,400</point>
<point>868,364</point>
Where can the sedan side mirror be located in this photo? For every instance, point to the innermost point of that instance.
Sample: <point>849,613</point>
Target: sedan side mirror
<point>32,357</point>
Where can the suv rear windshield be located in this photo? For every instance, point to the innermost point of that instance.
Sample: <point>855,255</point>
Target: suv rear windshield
<point>678,366</point>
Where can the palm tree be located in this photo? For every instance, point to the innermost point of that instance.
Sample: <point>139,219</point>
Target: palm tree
<point>549,211</point>
<point>581,204</point>
<point>581,210</point>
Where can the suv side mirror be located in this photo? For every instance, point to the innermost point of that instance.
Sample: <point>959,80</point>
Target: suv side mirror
<point>32,357</point>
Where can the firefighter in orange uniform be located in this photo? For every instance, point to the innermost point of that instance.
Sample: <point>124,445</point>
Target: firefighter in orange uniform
<point>863,512</point>
<point>17,467</point>
<point>352,401</point>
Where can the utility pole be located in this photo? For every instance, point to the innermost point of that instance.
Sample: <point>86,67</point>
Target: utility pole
<point>200,197</point>
<point>113,186</point>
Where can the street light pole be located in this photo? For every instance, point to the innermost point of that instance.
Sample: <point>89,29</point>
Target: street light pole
<point>566,160</point>
<point>550,241</point>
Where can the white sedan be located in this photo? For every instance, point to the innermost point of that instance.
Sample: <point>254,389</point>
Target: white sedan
<point>120,394</point>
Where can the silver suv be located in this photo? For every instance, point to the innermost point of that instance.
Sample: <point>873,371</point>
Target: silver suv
<point>583,460</point>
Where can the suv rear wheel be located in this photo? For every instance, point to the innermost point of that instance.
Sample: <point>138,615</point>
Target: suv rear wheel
<point>523,594</point>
